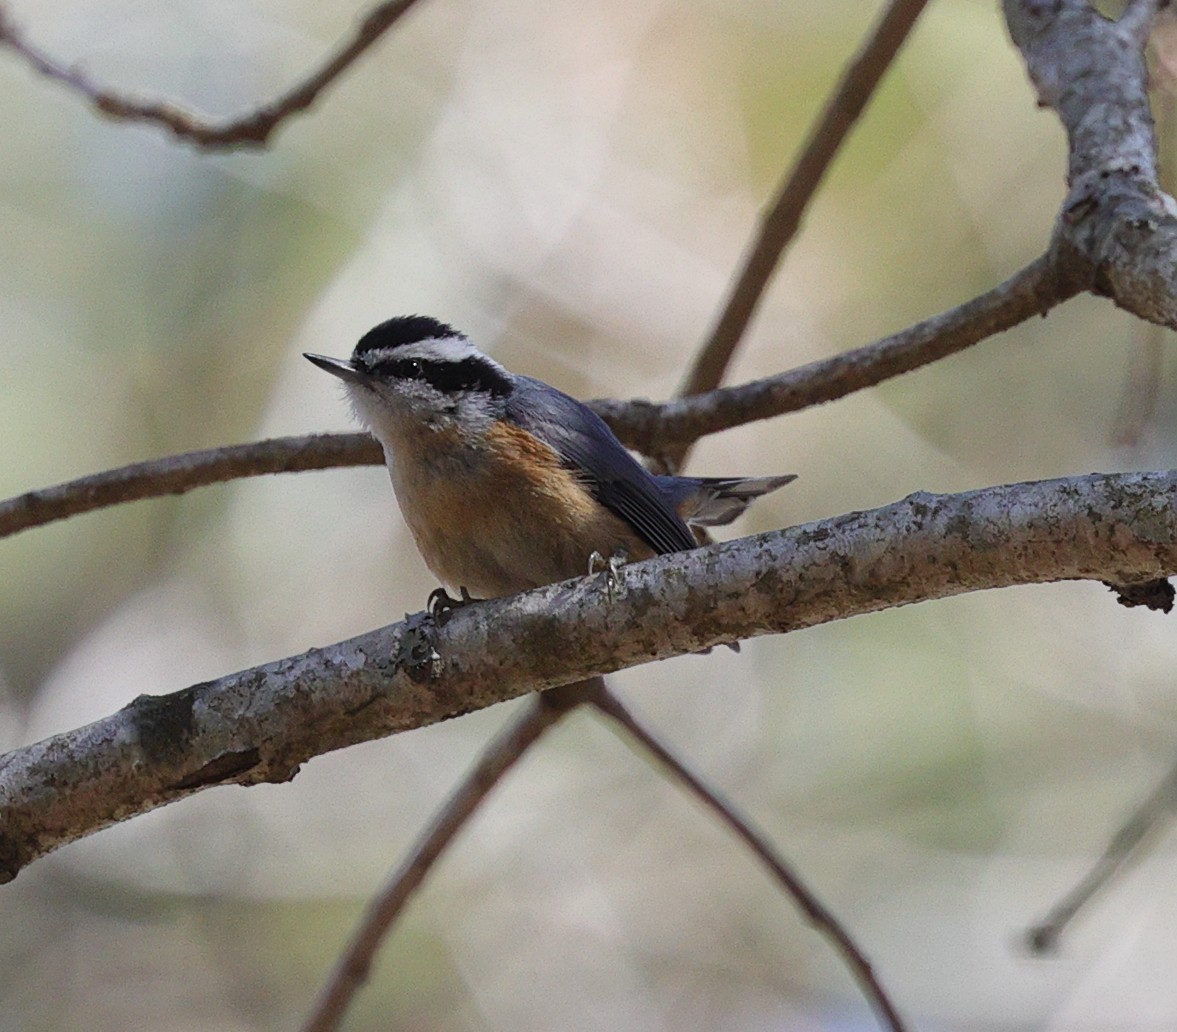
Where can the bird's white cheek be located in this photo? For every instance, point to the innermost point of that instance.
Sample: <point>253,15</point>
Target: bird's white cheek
<point>362,404</point>
<point>383,419</point>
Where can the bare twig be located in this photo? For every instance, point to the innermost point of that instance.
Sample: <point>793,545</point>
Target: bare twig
<point>642,425</point>
<point>815,911</point>
<point>1125,844</point>
<point>260,724</point>
<point>780,224</point>
<point>180,473</point>
<point>250,130</point>
<point>353,966</point>
<point>652,428</point>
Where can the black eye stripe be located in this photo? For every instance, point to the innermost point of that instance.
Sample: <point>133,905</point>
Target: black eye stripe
<point>467,374</point>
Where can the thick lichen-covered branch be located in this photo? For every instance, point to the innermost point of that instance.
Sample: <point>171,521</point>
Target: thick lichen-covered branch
<point>260,724</point>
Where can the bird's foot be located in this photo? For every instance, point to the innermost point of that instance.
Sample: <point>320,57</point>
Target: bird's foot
<point>441,605</point>
<point>612,570</point>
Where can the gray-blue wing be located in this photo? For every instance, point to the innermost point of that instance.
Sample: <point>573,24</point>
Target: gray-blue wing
<point>589,447</point>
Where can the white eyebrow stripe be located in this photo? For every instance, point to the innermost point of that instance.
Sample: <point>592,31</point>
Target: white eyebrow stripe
<point>440,349</point>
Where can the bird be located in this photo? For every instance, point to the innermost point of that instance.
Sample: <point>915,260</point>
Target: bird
<point>507,483</point>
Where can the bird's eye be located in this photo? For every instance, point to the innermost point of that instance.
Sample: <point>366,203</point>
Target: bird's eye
<point>404,368</point>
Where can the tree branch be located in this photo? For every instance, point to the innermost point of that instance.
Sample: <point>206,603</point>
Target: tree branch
<point>1117,231</point>
<point>178,474</point>
<point>1116,236</point>
<point>253,129</point>
<point>648,427</point>
<point>500,756</point>
<point>1126,844</point>
<point>1138,17</point>
<point>813,908</point>
<point>260,724</point>
<point>652,428</point>
<point>782,220</point>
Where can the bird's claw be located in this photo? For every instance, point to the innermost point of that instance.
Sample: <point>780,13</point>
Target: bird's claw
<point>612,570</point>
<point>440,604</point>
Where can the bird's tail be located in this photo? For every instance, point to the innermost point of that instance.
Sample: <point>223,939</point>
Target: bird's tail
<point>716,501</point>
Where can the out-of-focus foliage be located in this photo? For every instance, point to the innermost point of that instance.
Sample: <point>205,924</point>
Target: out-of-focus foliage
<point>572,184</point>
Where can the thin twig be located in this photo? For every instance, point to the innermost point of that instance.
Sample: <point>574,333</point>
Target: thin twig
<point>178,474</point>
<point>653,428</point>
<point>645,426</point>
<point>780,224</point>
<point>253,129</point>
<point>815,911</point>
<point>1124,845</point>
<point>353,966</point>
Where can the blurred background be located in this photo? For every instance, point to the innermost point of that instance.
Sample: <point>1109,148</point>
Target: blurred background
<point>573,185</point>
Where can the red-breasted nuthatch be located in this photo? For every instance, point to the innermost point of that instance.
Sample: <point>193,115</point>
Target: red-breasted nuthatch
<point>507,483</point>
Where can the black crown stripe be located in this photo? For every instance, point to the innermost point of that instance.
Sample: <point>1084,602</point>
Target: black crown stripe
<point>404,329</point>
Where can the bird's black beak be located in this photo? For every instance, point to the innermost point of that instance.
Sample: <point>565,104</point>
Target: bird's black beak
<point>340,367</point>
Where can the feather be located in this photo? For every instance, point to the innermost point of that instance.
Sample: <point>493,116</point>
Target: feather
<point>587,446</point>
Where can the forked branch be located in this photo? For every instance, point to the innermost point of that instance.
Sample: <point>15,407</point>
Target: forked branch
<point>780,224</point>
